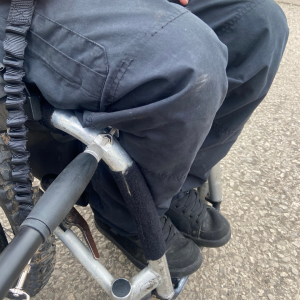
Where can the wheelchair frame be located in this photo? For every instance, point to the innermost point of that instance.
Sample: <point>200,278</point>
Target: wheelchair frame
<point>156,275</point>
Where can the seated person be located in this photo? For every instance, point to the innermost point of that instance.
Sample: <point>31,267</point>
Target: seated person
<point>179,82</point>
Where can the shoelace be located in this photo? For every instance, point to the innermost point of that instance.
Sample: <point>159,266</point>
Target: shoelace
<point>168,229</point>
<point>192,203</point>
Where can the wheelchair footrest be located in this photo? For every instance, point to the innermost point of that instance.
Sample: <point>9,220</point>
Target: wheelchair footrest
<point>178,283</point>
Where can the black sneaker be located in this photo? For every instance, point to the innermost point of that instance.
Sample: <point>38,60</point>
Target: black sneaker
<point>198,221</point>
<point>183,256</point>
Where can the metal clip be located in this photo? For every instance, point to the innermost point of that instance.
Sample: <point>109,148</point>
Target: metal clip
<point>74,218</point>
<point>109,137</point>
<point>18,290</point>
<point>17,293</point>
<point>114,131</point>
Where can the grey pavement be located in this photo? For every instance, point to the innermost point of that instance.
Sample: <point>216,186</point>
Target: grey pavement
<point>261,185</point>
<point>294,2</point>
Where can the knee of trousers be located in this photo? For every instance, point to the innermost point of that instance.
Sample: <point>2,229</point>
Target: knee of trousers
<point>173,87</point>
<point>183,65</point>
<point>203,56</point>
<point>268,23</point>
<point>275,22</point>
<point>256,36</point>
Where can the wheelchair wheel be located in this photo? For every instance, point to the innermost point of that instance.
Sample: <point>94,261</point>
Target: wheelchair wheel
<point>3,239</point>
<point>42,263</point>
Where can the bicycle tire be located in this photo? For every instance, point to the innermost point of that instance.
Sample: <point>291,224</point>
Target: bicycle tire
<point>3,239</point>
<point>43,262</point>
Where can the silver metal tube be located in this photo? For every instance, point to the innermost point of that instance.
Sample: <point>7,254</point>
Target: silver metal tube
<point>23,277</point>
<point>143,283</point>
<point>203,190</point>
<point>120,290</point>
<point>18,290</point>
<point>165,288</point>
<point>156,275</point>
<point>66,121</point>
<point>114,155</point>
<point>85,257</point>
<point>215,184</point>
<point>21,281</point>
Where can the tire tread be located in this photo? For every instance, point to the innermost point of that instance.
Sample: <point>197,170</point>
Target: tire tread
<point>43,262</point>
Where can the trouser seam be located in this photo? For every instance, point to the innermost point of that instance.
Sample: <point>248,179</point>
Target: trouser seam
<point>122,71</point>
<point>154,33</point>
<point>240,13</point>
<point>118,78</point>
<point>78,34</point>
<point>34,55</point>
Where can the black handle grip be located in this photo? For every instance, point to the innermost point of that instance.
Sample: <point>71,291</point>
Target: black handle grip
<point>48,213</point>
<point>62,194</point>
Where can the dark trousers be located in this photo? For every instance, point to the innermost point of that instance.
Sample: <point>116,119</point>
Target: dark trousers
<point>179,83</point>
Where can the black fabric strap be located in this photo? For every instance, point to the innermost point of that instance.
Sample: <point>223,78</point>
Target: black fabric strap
<point>18,24</point>
<point>21,12</point>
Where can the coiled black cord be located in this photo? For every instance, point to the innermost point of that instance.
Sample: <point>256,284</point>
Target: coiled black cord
<point>18,24</point>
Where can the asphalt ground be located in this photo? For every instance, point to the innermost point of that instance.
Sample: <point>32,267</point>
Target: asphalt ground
<point>295,2</point>
<point>261,186</point>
